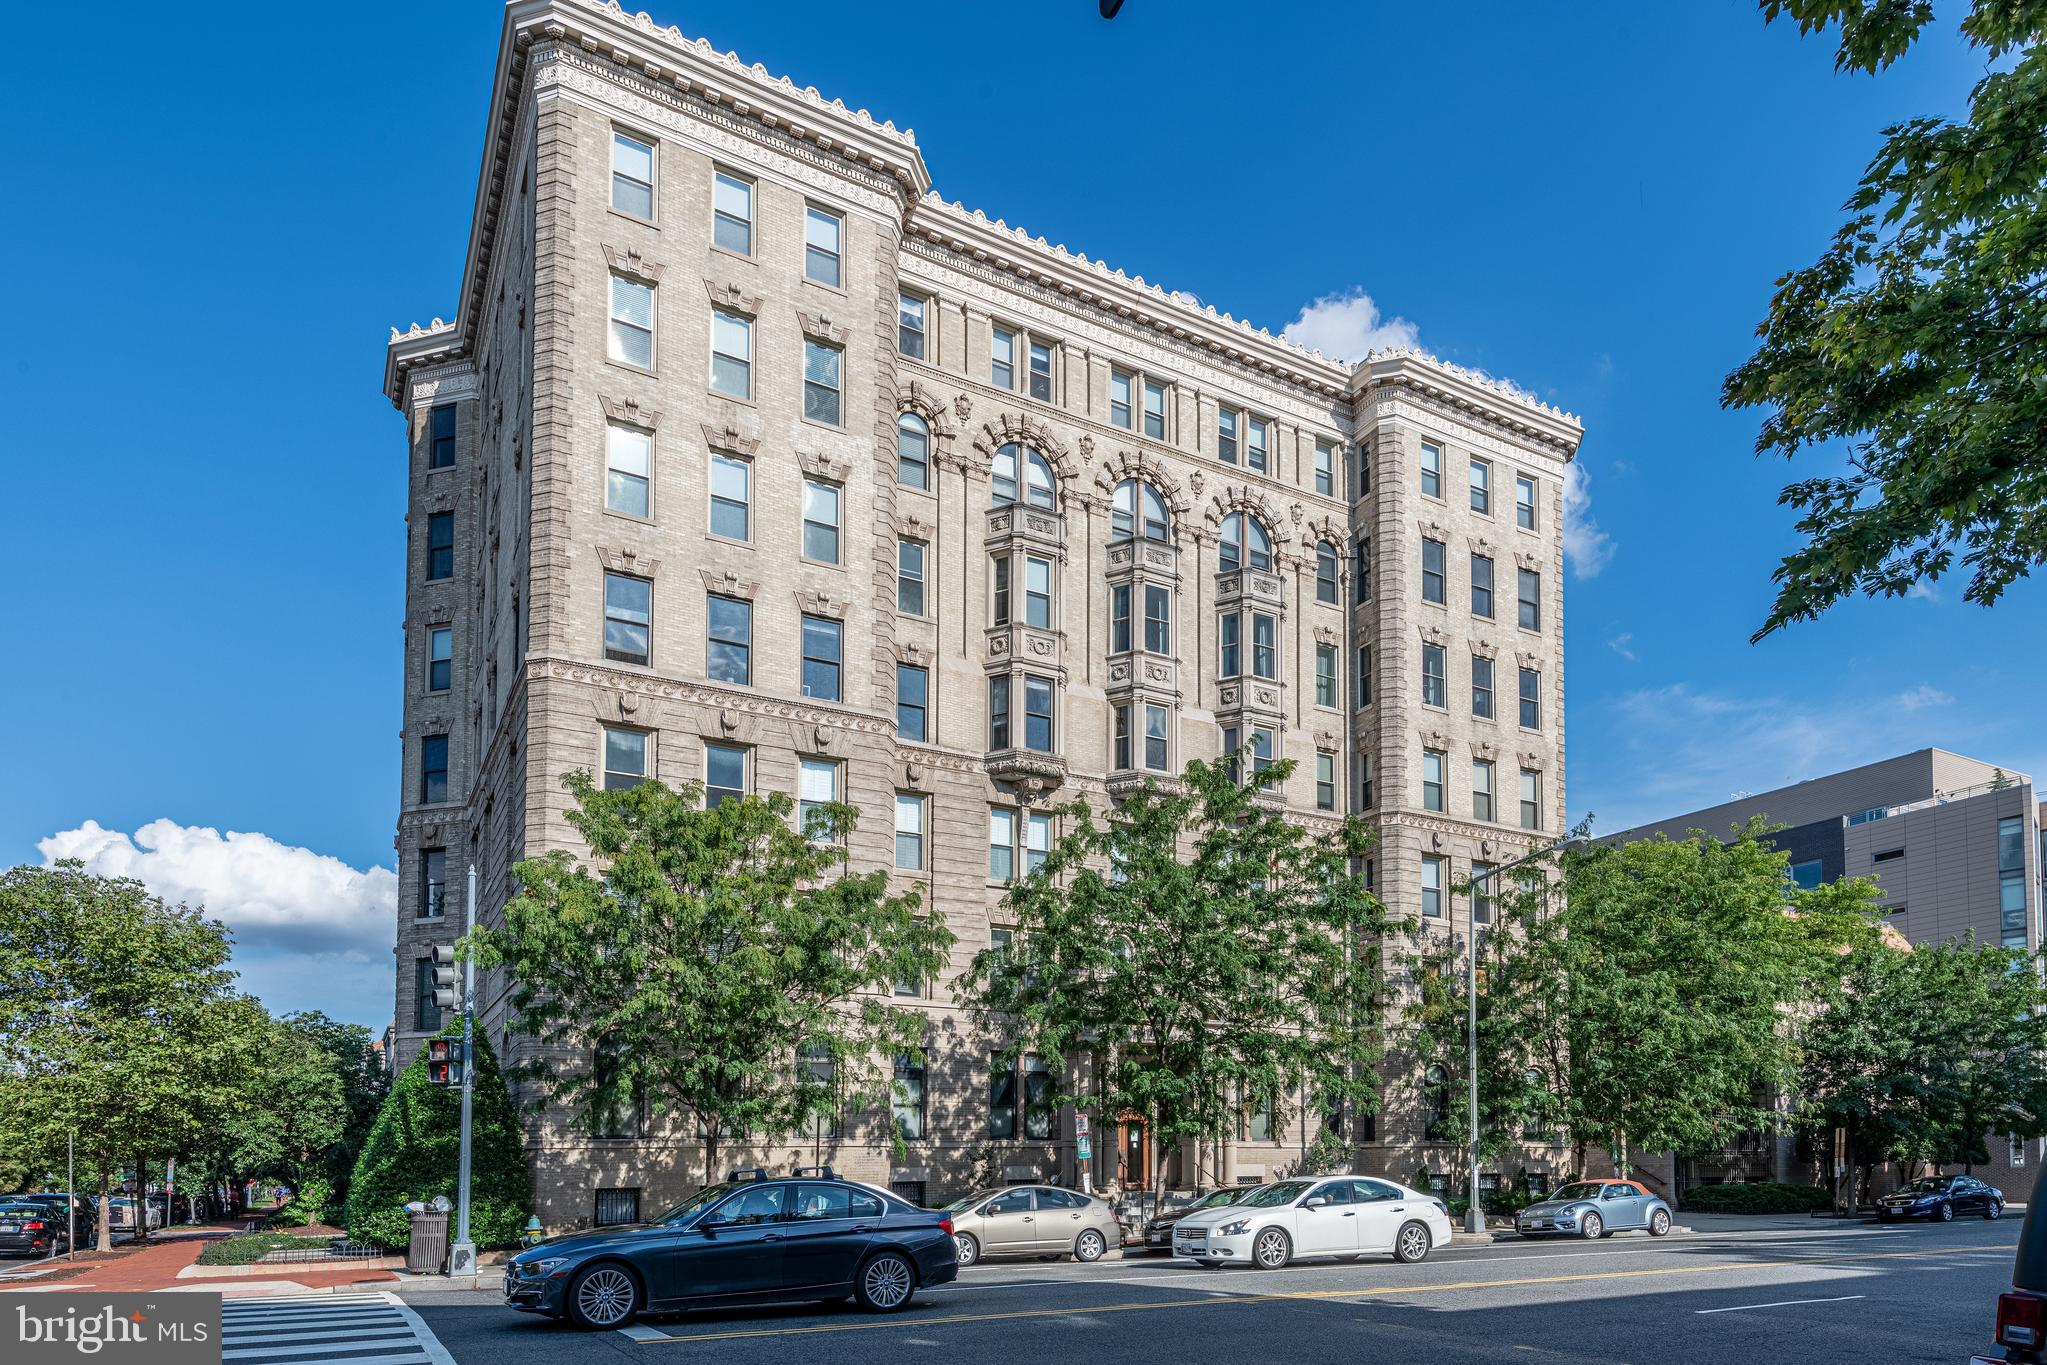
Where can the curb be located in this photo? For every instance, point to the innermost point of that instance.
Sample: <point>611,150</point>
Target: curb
<point>195,1271</point>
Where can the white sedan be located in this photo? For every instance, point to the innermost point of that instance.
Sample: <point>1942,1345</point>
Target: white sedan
<point>1343,1216</point>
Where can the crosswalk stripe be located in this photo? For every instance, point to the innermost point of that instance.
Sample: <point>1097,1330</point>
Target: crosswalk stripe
<point>322,1329</point>
<point>397,1328</point>
<point>396,1343</point>
<point>377,1314</point>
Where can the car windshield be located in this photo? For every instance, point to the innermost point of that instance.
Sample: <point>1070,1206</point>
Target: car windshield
<point>1216,1199</point>
<point>1583,1189</point>
<point>698,1202</point>
<point>1929,1184</point>
<point>1272,1196</point>
<point>969,1201</point>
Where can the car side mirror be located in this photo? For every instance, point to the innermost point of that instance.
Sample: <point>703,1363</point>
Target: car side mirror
<point>1314,1202</point>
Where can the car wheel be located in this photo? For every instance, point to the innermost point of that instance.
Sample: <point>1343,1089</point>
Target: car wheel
<point>969,1249</point>
<point>1089,1246</point>
<point>1659,1224</point>
<point>1412,1243</point>
<point>1994,1210</point>
<point>1591,1227</point>
<point>1946,1213</point>
<point>603,1297</point>
<point>886,1283</point>
<point>1272,1250</point>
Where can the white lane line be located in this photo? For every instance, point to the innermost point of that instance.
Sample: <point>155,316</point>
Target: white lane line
<point>1781,1303</point>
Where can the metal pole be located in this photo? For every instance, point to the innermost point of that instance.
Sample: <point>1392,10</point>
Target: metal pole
<point>70,1193</point>
<point>1474,1217</point>
<point>462,1255</point>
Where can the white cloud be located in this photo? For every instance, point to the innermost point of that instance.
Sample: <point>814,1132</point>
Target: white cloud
<point>1588,548</point>
<point>1348,327</point>
<point>1923,696</point>
<point>1620,643</point>
<point>273,896</point>
<point>1924,591</point>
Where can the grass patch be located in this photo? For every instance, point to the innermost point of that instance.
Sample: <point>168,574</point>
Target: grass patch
<point>248,1250</point>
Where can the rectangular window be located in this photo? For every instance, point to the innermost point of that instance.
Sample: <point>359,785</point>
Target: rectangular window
<point>1154,410</point>
<point>731,497</point>
<point>1037,713</point>
<point>625,758</point>
<point>1232,741</point>
<point>1001,587</point>
<point>628,468</point>
<point>628,618</point>
<point>1432,886</point>
<point>1433,576</point>
<point>440,545</point>
<point>1361,570</point>
<point>1481,789</point>
<point>1482,586</point>
<point>1481,686</point>
<point>433,883</point>
<point>906,1104</point>
<point>2011,880</point>
<point>1038,592</point>
<point>1041,372</point>
<point>1261,748</point>
<point>1155,738</point>
<point>817,786</point>
<point>1531,799</point>
<point>440,658</point>
<point>1325,467</point>
<point>1364,676</point>
<point>1432,780</point>
<point>1325,780</point>
<point>632,176</point>
<point>1481,487</point>
<point>731,353</point>
<point>821,657</point>
<point>728,644</point>
<point>1257,434</point>
<point>1001,1098</point>
<point>1226,435</point>
<point>1120,727</point>
<point>998,711</point>
<point>441,437</point>
<point>1119,619</point>
<point>1264,645</point>
<point>1530,596</point>
<point>1231,642</point>
<point>1367,798</point>
<point>910,329</point>
<point>1435,687</point>
<point>1119,399</point>
<point>1481,893</point>
<point>1531,699</point>
<point>632,322</point>
<point>1037,841</point>
<point>1325,675</point>
<point>1432,469</point>
<point>1524,502</point>
<point>822,250</point>
<point>1364,467</point>
<point>1807,875</point>
<point>724,773</point>
<point>426,1015</point>
<point>822,379</point>
<point>910,577</point>
<point>913,690</point>
<point>1158,619</point>
<point>1002,359</point>
<point>909,832</point>
<point>820,522</point>
<point>732,213</point>
<point>1001,843</point>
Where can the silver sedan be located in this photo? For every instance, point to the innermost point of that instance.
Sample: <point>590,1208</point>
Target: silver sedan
<point>1033,1220</point>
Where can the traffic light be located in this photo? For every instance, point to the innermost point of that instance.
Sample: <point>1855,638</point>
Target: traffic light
<point>446,995</point>
<point>445,1058</point>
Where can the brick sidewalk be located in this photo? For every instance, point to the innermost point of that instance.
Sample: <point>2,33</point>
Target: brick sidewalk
<point>156,1267</point>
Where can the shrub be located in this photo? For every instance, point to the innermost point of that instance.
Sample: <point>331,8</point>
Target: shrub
<point>248,1250</point>
<point>309,1204</point>
<point>412,1153</point>
<point>1760,1196</point>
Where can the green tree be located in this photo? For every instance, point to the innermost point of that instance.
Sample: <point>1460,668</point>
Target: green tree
<point>1919,338</point>
<point>295,1116</point>
<point>359,1066</point>
<point>1204,952</point>
<point>714,947</point>
<point>117,1022</point>
<point>413,1153</point>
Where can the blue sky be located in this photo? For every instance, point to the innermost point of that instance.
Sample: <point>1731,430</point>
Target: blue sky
<point>201,535</point>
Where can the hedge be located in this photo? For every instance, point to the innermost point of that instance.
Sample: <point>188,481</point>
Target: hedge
<point>1759,1196</point>
<point>413,1150</point>
<point>253,1248</point>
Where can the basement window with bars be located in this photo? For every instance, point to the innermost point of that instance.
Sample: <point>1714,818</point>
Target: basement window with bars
<point>615,1207</point>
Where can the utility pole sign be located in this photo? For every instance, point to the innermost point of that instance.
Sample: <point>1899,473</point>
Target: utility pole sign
<point>1083,1151</point>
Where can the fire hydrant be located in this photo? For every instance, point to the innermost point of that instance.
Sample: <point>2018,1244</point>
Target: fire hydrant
<point>533,1232</point>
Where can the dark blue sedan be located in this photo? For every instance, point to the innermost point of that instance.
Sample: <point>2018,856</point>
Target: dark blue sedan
<point>753,1239</point>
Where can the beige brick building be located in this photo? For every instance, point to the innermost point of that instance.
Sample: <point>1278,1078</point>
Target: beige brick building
<point>747,459</point>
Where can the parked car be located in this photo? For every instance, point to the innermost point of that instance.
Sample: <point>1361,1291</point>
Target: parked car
<point>121,1213</point>
<point>1158,1233</point>
<point>2022,1312</point>
<point>1596,1208</point>
<point>1033,1220</point>
<point>750,1239</point>
<point>1340,1216</point>
<point>30,1230</point>
<point>1941,1197</point>
<point>81,1209</point>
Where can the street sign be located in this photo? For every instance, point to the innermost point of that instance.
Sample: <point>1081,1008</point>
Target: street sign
<point>1086,1150</point>
<point>1080,1126</point>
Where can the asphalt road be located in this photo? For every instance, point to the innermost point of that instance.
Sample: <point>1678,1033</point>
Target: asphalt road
<point>1830,1293</point>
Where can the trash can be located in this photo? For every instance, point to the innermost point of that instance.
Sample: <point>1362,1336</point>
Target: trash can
<point>428,1246</point>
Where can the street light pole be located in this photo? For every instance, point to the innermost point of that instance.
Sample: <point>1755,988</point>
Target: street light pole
<point>462,1252</point>
<point>1474,1217</point>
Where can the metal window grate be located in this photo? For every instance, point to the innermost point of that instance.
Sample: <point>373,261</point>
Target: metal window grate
<point>912,1190</point>
<point>617,1206</point>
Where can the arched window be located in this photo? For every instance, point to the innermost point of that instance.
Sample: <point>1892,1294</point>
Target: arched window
<point>1138,507</point>
<point>1245,543</point>
<point>1039,488</point>
<point>913,451</point>
<point>1325,572</point>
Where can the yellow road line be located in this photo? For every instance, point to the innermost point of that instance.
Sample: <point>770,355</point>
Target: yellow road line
<point>1300,1295</point>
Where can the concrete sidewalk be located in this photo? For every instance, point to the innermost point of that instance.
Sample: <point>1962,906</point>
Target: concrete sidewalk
<point>156,1267</point>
